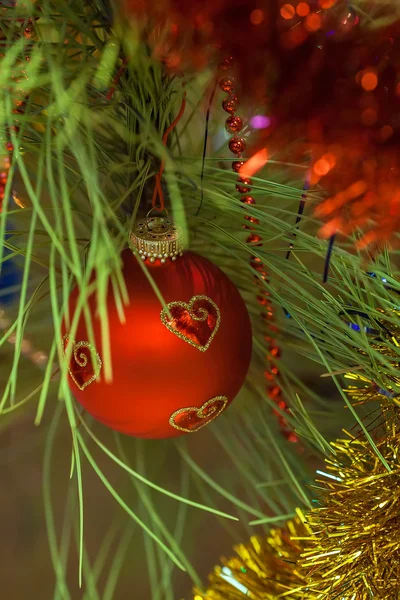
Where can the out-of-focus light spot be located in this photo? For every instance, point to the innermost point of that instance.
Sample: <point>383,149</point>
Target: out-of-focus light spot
<point>287,11</point>
<point>257,16</point>
<point>324,164</point>
<point>173,60</point>
<point>313,22</point>
<point>331,158</point>
<point>294,38</point>
<point>356,189</point>
<point>369,116</point>
<point>26,346</point>
<point>12,338</point>
<point>326,3</point>
<point>321,167</point>
<point>197,597</point>
<point>39,358</point>
<point>4,323</point>
<point>302,9</point>
<point>260,122</point>
<point>254,164</point>
<point>369,80</point>
<point>386,132</point>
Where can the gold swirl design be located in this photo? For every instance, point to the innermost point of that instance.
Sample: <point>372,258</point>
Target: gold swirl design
<point>81,360</point>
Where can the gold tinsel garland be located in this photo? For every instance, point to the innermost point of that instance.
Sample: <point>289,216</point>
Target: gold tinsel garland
<point>263,569</point>
<point>346,549</point>
<point>355,546</point>
<point>366,390</point>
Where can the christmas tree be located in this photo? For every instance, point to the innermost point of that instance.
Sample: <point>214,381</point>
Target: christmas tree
<point>199,293</point>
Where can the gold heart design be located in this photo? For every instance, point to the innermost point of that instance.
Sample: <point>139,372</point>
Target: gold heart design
<point>196,325</point>
<point>81,360</point>
<point>192,419</point>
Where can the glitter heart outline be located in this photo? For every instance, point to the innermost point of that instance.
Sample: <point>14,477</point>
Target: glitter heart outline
<point>83,358</point>
<point>199,410</point>
<point>189,306</point>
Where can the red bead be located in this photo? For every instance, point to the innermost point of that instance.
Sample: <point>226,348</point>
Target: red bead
<point>274,392</point>
<point>254,239</point>
<point>245,181</point>
<point>227,84</point>
<point>230,104</point>
<point>252,220</point>
<point>3,177</point>
<point>269,376</point>
<point>242,189</point>
<point>226,64</point>
<point>28,33</point>
<point>257,266</point>
<point>237,165</point>
<point>247,200</point>
<point>291,437</point>
<point>9,147</point>
<point>237,145</point>
<point>255,260</point>
<point>262,301</point>
<point>275,371</point>
<point>234,124</point>
<point>267,316</point>
<point>282,405</point>
<point>261,275</point>
<point>275,352</point>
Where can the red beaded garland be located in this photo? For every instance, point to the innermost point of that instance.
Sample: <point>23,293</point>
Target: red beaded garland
<point>230,104</point>
<point>237,165</point>
<point>226,64</point>
<point>234,124</point>
<point>254,239</point>
<point>227,84</point>
<point>237,145</point>
<point>243,189</point>
<point>247,200</point>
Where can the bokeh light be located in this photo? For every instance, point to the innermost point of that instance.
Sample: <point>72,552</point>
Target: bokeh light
<point>326,3</point>
<point>260,122</point>
<point>313,22</point>
<point>386,132</point>
<point>369,80</point>
<point>288,11</point>
<point>369,116</point>
<point>257,16</point>
<point>302,9</point>
<point>254,164</point>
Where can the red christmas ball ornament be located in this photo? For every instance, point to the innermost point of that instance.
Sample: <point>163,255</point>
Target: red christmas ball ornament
<point>176,368</point>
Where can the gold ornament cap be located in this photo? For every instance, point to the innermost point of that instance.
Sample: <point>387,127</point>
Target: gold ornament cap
<point>156,237</point>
